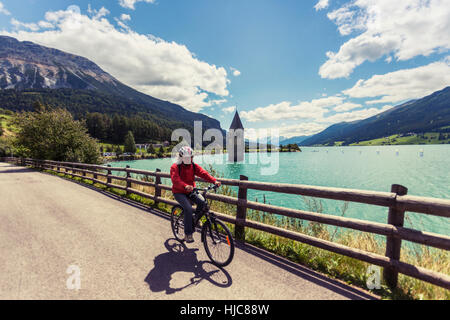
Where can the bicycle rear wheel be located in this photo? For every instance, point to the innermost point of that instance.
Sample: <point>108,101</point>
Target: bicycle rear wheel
<point>218,242</point>
<point>177,222</point>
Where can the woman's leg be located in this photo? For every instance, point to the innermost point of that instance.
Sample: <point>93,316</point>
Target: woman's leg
<point>199,202</point>
<point>187,209</point>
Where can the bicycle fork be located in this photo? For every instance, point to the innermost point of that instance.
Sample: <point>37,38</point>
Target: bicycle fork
<point>210,222</point>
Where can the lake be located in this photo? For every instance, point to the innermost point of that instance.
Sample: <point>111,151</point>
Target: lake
<point>423,169</point>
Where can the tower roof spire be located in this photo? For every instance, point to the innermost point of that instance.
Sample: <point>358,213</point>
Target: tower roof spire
<point>236,123</point>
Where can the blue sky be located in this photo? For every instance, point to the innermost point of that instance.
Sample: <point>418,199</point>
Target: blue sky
<point>298,66</point>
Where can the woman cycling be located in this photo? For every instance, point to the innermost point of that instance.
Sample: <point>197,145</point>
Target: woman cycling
<point>183,173</point>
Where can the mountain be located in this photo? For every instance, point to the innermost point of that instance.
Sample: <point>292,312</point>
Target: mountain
<point>296,140</point>
<point>426,114</point>
<point>52,75</point>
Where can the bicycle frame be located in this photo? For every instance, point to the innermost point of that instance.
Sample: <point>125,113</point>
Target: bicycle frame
<point>210,217</point>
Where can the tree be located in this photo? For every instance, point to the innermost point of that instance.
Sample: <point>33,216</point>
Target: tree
<point>151,150</point>
<point>1,129</point>
<point>119,128</point>
<point>97,125</point>
<point>130,145</point>
<point>118,150</point>
<point>38,106</point>
<point>54,135</point>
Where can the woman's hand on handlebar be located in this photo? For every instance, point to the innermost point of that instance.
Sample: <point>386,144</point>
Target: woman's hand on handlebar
<point>189,188</point>
<point>217,184</point>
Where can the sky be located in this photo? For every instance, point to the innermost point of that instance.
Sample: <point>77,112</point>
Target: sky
<point>295,66</point>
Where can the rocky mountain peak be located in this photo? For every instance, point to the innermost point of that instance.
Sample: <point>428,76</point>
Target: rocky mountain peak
<point>26,65</point>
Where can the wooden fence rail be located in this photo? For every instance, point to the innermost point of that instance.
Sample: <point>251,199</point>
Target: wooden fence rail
<point>396,200</point>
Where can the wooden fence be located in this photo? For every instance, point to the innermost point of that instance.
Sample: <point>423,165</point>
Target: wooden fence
<point>396,200</point>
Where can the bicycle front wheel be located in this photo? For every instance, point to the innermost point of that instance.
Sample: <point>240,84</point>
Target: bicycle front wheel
<point>177,222</point>
<point>218,242</point>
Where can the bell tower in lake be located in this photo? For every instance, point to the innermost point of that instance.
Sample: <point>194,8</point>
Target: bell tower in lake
<point>235,140</point>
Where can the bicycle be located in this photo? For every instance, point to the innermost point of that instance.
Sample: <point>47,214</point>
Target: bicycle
<point>215,235</point>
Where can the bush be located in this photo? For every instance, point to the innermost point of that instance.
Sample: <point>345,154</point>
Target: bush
<point>54,135</point>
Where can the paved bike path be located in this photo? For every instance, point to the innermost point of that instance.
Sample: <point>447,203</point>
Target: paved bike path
<point>125,251</point>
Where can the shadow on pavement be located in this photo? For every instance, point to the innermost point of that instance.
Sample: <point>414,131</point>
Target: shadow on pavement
<point>341,288</point>
<point>15,170</point>
<point>179,258</point>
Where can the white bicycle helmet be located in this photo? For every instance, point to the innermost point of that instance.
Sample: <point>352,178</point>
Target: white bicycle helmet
<point>186,151</point>
<point>185,154</point>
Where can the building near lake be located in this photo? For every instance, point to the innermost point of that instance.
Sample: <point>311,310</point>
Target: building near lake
<point>235,140</point>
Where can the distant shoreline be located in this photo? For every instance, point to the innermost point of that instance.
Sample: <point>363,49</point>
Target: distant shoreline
<point>150,157</point>
<point>426,138</point>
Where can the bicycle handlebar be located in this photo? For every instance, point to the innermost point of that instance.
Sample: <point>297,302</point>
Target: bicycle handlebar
<point>205,189</point>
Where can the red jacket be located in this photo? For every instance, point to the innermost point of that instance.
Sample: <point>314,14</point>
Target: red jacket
<point>186,176</point>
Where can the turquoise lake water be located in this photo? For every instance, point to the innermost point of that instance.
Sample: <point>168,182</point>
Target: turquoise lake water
<point>423,169</point>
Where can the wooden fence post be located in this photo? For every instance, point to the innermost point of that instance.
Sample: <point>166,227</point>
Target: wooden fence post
<point>157,187</point>
<point>396,217</point>
<point>108,178</point>
<point>241,211</point>
<point>128,180</point>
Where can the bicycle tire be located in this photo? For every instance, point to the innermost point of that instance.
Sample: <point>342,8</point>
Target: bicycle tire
<point>177,222</point>
<point>212,236</point>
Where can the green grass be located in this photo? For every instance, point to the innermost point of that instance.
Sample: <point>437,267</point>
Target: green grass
<point>9,128</point>
<point>337,266</point>
<point>427,138</point>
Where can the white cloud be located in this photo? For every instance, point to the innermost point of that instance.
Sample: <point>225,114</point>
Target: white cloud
<point>96,14</point>
<point>347,106</point>
<point>285,110</point>
<point>405,29</point>
<point>301,129</point>
<point>75,9</point>
<point>353,115</point>
<point>348,20</point>
<point>30,26</point>
<point>125,17</point>
<point>403,84</point>
<point>101,13</point>
<point>45,25</point>
<point>321,4</point>
<point>129,4</point>
<point>313,116</point>
<point>3,9</point>
<point>229,109</point>
<point>235,72</point>
<point>165,70</point>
